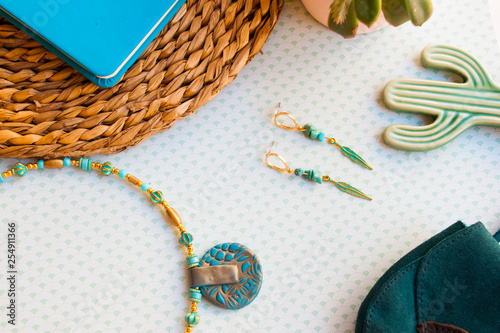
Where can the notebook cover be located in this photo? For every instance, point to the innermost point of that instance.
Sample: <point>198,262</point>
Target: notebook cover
<point>100,39</point>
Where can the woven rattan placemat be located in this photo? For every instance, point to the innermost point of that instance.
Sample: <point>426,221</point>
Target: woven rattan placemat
<point>50,110</point>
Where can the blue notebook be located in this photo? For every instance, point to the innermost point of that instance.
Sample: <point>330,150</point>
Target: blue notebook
<point>99,38</point>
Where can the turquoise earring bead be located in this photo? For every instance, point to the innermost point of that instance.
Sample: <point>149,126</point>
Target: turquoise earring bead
<point>313,175</point>
<point>313,133</point>
<point>67,161</point>
<point>2,180</point>
<point>157,196</point>
<point>85,164</point>
<point>186,239</point>
<point>193,261</point>
<point>41,164</point>
<point>20,169</point>
<point>107,168</point>
<point>192,318</point>
<point>122,174</point>
<point>299,172</point>
<point>144,187</point>
<point>195,295</point>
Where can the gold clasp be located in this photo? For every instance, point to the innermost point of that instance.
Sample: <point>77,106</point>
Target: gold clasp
<point>296,126</point>
<point>331,141</point>
<point>270,154</point>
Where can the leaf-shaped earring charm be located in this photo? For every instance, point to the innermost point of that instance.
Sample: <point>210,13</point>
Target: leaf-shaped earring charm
<point>313,133</point>
<point>344,187</point>
<point>349,153</point>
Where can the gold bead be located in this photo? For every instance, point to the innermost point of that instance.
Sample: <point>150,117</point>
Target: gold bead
<point>132,179</point>
<point>139,183</point>
<point>74,162</point>
<point>181,228</point>
<point>35,166</point>
<point>92,165</point>
<point>116,171</point>
<point>29,166</point>
<point>174,217</point>
<point>10,173</point>
<point>150,190</point>
<point>189,329</point>
<point>53,164</point>
<point>4,175</point>
<point>164,204</point>
<point>98,165</point>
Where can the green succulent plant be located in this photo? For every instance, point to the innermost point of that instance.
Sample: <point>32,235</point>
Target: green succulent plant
<point>345,15</point>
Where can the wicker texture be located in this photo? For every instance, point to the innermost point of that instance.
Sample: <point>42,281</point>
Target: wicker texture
<point>50,110</point>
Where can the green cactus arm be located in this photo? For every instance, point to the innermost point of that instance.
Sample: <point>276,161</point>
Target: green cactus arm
<point>395,12</point>
<point>437,134</point>
<point>419,11</point>
<point>346,29</point>
<point>367,11</point>
<point>449,58</point>
<point>434,97</point>
<point>419,138</point>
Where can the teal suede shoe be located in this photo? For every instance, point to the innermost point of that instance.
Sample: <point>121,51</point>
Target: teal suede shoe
<point>450,283</point>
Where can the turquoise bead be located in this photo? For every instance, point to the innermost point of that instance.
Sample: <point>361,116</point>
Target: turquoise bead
<point>40,164</point>
<point>144,187</point>
<point>20,169</point>
<point>186,239</point>
<point>195,295</point>
<point>85,164</point>
<point>67,161</point>
<point>192,319</point>
<point>2,180</point>
<point>157,196</point>
<point>311,131</point>
<point>107,168</point>
<point>307,130</point>
<point>314,176</point>
<point>193,261</point>
<point>299,172</point>
<point>122,173</point>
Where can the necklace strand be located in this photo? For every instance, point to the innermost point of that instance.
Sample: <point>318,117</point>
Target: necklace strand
<point>107,169</point>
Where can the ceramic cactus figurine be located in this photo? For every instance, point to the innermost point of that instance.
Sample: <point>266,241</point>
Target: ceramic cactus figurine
<point>345,15</point>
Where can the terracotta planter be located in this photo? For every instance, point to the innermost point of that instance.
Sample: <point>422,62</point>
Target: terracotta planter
<point>320,9</point>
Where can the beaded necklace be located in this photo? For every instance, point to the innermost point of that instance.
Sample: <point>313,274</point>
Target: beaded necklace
<point>229,275</point>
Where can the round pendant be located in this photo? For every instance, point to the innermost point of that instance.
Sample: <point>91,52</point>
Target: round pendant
<point>240,294</point>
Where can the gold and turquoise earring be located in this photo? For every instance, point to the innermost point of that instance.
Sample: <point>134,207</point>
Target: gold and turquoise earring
<point>312,175</point>
<point>313,133</point>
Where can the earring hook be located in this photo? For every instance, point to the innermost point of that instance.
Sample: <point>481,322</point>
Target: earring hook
<point>297,127</point>
<point>269,154</point>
